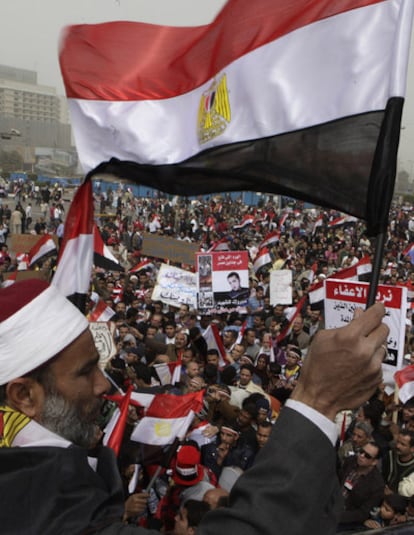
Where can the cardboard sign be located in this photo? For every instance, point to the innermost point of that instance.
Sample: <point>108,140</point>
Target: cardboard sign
<point>169,248</point>
<point>175,286</point>
<point>342,297</point>
<point>103,336</point>
<point>22,243</point>
<point>43,275</point>
<point>223,280</point>
<point>281,287</point>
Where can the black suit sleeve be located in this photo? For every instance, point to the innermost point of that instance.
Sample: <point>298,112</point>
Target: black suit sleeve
<point>292,488</point>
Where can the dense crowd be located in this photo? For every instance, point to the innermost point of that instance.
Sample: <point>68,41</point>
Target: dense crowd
<point>244,392</point>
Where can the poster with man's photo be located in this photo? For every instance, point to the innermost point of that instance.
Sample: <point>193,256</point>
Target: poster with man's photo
<point>223,280</point>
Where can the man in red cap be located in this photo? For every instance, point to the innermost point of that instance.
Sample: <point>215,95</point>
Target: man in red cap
<point>190,480</point>
<point>49,373</point>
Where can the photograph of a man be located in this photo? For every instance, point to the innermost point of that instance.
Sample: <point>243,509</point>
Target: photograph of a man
<point>236,291</point>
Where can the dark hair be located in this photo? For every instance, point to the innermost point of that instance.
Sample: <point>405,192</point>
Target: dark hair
<point>410,434</point>
<point>143,372</point>
<point>265,423</point>
<point>249,329</point>
<point>131,313</point>
<point>195,512</point>
<point>228,375</point>
<point>396,502</point>
<point>373,443</point>
<point>248,367</point>
<point>275,368</point>
<point>373,412</point>
<point>250,407</point>
<point>233,274</point>
<point>213,352</point>
<point>193,332</point>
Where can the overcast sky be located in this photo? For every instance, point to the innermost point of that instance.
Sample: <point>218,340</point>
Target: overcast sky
<point>30,29</point>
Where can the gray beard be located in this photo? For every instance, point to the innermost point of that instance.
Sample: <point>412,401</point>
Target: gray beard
<point>68,421</point>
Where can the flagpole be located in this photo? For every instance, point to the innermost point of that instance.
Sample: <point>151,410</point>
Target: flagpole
<point>165,463</point>
<point>376,268</point>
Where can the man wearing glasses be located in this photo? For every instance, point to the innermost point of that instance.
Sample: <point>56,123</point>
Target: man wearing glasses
<point>362,486</point>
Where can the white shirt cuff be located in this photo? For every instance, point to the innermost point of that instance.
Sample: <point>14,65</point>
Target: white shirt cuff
<point>325,424</point>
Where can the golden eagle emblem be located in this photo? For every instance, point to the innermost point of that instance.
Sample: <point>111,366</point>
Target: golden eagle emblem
<point>162,428</point>
<point>214,111</point>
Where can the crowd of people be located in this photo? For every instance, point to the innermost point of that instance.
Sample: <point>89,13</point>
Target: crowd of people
<point>245,393</point>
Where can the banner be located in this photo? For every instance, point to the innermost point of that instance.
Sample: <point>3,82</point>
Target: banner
<point>281,287</point>
<point>175,286</point>
<point>103,336</point>
<point>223,280</point>
<point>168,248</point>
<point>343,297</point>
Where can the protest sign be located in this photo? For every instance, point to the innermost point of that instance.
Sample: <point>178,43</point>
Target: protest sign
<point>168,248</point>
<point>175,286</point>
<point>343,297</point>
<point>281,287</point>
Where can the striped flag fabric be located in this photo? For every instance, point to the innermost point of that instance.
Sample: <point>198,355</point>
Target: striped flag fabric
<point>42,249</point>
<point>342,220</point>
<point>248,219</point>
<point>263,259</point>
<point>74,267</point>
<point>102,256</point>
<point>169,373</point>
<point>213,121</point>
<point>212,336</point>
<point>283,218</point>
<point>167,417</point>
<point>146,263</point>
<point>318,223</point>
<point>219,245</point>
<point>101,312</point>
<point>359,272</point>
<point>405,381</point>
<point>408,249</point>
<point>288,328</point>
<point>22,260</point>
<point>240,334</point>
<point>117,433</point>
<point>270,239</point>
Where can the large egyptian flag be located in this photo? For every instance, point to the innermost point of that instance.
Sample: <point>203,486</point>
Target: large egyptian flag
<point>74,267</point>
<point>288,96</point>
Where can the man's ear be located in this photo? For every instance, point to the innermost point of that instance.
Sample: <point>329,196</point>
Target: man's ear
<point>25,395</point>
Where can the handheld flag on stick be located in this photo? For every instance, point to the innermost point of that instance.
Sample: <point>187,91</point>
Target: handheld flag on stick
<point>115,439</point>
<point>102,256</point>
<point>404,380</point>
<point>42,249</point>
<point>73,272</point>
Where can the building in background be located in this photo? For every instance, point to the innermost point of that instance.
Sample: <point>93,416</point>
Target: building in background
<point>34,122</point>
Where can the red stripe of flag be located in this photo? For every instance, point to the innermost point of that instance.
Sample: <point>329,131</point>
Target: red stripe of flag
<point>112,49</point>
